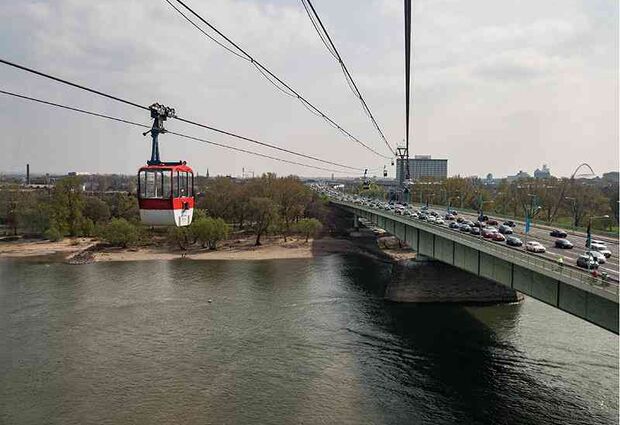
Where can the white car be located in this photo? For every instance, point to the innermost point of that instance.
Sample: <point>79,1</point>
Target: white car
<point>534,246</point>
<point>597,256</point>
<point>598,247</point>
<point>439,220</point>
<point>432,219</point>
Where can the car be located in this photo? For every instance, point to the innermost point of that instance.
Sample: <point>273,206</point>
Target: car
<point>414,215</point>
<point>434,214</point>
<point>513,241</point>
<point>563,244</point>
<point>510,223</point>
<point>498,237</point>
<point>488,233</point>
<point>505,229</point>
<point>586,262</point>
<point>534,246</point>
<point>475,231</point>
<point>492,222</point>
<point>484,218</point>
<point>439,220</point>
<point>469,223</point>
<point>454,225</point>
<point>465,228</point>
<point>432,219</point>
<point>597,256</point>
<point>460,219</point>
<point>556,233</point>
<point>449,217</point>
<point>595,242</point>
<point>478,225</point>
<point>423,217</point>
<point>454,212</point>
<point>601,248</point>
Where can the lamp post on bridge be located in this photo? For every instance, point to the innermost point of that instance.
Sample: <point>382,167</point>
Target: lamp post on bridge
<point>530,213</point>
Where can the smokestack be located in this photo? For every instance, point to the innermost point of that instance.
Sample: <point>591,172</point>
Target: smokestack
<point>27,173</point>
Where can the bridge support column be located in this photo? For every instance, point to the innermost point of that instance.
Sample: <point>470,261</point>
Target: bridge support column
<point>356,222</point>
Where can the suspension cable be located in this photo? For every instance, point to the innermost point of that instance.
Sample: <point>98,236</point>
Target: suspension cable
<point>109,117</point>
<point>293,92</point>
<point>125,101</point>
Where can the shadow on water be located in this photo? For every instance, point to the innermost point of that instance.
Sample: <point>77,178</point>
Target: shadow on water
<point>444,352</point>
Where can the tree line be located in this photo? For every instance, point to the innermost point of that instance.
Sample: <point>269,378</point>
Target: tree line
<point>263,205</point>
<point>561,200</point>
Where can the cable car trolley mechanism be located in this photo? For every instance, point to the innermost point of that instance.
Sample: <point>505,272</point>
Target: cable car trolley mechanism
<point>165,189</point>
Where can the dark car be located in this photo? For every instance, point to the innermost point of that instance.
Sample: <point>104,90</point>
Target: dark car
<point>485,218</point>
<point>448,217</point>
<point>454,225</point>
<point>488,234</point>
<point>434,214</point>
<point>586,262</point>
<point>563,243</point>
<point>469,223</point>
<point>558,233</point>
<point>475,231</point>
<point>478,225</point>
<point>513,241</point>
<point>422,216</point>
<point>492,222</point>
<point>510,223</point>
<point>465,228</point>
<point>454,212</point>
<point>505,229</point>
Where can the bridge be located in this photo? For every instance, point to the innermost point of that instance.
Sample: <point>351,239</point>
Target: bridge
<point>567,288</point>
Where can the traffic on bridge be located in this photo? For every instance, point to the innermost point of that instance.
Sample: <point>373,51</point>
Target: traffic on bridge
<point>567,249</point>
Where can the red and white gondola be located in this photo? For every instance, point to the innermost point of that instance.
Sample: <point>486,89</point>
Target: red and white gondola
<point>165,189</point>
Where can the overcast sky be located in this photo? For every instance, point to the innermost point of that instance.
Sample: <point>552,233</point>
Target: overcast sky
<point>498,86</point>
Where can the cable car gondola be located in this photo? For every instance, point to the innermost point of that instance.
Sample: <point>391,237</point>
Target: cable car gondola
<point>165,189</point>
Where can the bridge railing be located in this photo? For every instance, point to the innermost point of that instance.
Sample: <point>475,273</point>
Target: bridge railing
<point>546,266</point>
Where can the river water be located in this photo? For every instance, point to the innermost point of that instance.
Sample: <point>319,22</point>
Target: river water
<point>289,341</point>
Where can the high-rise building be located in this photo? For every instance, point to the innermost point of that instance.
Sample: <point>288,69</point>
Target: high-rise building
<point>421,166</point>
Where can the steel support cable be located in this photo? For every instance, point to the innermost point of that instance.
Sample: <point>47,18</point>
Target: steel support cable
<point>109,117</point>
<point>60,80</point>
<point>279,80</point>
<point>42,74</point>
<point>350,81</point>
<point>206,33</point>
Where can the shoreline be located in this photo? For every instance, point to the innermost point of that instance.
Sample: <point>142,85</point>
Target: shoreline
<point>88,250</point>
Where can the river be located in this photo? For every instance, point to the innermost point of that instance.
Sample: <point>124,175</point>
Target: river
<point>288,341</point>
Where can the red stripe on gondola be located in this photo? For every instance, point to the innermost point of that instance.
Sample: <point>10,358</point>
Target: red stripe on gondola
<point>166,204</point>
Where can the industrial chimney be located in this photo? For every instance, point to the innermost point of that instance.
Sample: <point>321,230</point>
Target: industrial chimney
<point>27,174</point>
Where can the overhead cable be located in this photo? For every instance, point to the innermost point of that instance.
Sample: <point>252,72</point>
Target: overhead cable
<point>125,101</point>
<point>331,47</point>
<point>200,139</point>
<point>274,78</point>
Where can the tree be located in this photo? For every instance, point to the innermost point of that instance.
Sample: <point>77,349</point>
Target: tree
<point>180,236</point>
<point>120,232</point>
<point>264,213</point>
<point>125,206</point>
<point>210,231</point>
<point>67,204</point>
<point>308,226</point>
<point>292,197</point>
<point>96,209</point>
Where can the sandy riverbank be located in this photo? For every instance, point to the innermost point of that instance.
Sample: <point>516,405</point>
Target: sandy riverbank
<point>236,249</point>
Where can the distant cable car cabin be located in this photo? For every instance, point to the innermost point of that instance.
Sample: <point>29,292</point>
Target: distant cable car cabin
<point>165,189</point>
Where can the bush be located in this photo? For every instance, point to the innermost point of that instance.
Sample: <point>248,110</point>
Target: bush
<point>120,232</point>
<point>53,234</point>
<point>209,231</point>
<point>87,227</point>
